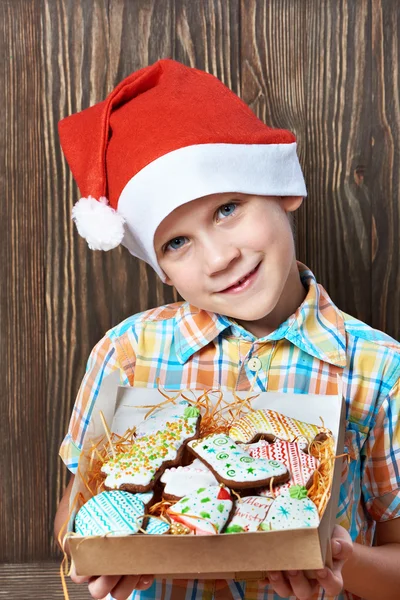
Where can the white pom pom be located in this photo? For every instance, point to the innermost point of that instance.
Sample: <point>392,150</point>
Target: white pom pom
<point>100,225</point>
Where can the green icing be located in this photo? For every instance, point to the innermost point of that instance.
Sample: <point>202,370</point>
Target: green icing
<point>220,508</point>
<point>298,492</point>
<point>185,499</point>
<point>234,529</point>
<point>185,510</point>
<point>200,490</point>
<point>205,515</point>
<point>191,412</point>
<point>206,499</point>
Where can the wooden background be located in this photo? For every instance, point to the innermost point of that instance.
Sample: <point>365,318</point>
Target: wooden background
<point>326,69</point>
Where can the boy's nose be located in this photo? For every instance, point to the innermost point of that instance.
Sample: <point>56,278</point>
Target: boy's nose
<point>218,257</point>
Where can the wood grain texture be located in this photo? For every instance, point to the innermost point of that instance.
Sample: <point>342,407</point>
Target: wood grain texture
<point>37,581</point>
<point>23,486</point>
<point>329,71</point>
<point>306,67</point>
<point>385,167</point>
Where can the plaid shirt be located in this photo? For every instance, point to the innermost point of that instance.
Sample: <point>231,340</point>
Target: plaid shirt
<point>184,347</point>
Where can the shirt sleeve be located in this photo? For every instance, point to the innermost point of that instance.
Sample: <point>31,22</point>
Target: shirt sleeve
<point>381,453</point>
<point>103,360</point>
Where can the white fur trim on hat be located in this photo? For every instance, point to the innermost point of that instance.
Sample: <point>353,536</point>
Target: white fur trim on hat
<point>100,225</point>
<point>194,171</point>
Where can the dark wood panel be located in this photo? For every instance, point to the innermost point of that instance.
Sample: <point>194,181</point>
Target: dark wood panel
<point>385,167</point>
<point>23,481</point>
<point>38,581</point>
<point>79,283</point>
<point>307,68</point>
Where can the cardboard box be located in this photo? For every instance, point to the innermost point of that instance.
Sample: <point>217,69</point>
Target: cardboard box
<point>225,556</point>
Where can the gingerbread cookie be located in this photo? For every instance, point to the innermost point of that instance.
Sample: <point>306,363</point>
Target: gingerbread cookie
<point>233,466</point>
<point>204,511</point>
<point>249,513</point>
<point>139,469</point>
<point>157,527</point>
<point>114,513</point>
<point>272,425</point>
<point>160,419</point>
<point>301,466</point>
<point>291,510</point>
<point>181,481</point>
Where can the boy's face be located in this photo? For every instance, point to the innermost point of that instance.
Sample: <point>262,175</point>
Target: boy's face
<point>232,254</point>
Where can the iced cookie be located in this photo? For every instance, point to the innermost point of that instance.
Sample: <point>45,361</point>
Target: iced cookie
<point>139,469</point>
<point>157,527</point>
<point>181,481</point>
<point>301,465</point>
<point>249,513</point>
<point>291,510</point>
<point>160,418</point>
<point>205,511</point>
<point>114,513</point>
<point>233,466</point>
<point>271,425</point>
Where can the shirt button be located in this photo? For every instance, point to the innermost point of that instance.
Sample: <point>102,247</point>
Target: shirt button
<point>255,364</point>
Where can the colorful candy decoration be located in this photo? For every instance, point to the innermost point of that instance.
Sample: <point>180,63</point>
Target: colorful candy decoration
<point>291,510</point>
<point>159,420</point>
<point>138,469</point>
<point>204,511</point>
<point>233,466</point>
<point>249,513</point>
<point>270,423</point>
<point>113,513</point>
<point>181,481</point>
<point>301,465</point>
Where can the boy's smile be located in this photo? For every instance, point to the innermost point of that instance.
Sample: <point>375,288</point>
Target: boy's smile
<point>233,254</point>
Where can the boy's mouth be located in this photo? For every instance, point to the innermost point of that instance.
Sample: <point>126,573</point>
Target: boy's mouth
<point>242,283</point>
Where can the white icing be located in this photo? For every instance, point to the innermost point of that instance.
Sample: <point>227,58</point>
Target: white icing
<point>114,513</point>
<point>231,462</point>
<point>291,513</point>
<point>182,481</point>
<point>202,511</point>
<point>249,513</point>
<point>148,453</point>
<point>158,420</point>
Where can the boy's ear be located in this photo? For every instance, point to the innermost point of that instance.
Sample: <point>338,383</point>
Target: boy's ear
<point>291,203</point>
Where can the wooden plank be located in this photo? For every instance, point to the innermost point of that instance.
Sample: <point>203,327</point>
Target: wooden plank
<point>307,68</point>
<point>79,283</point>
<point>39,581</point>
<point>141,33</point>
<point>24,490</point>
<point>385,167</point>
<point>208,38</point>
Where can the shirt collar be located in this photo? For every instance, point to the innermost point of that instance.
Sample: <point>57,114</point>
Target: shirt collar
<point>317,326</point>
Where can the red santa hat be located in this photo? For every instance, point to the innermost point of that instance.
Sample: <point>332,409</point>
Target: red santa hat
<point>166,135</point>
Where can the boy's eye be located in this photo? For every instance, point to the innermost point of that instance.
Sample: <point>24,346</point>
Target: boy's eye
<point>176,243</point>
<point>226,210</point>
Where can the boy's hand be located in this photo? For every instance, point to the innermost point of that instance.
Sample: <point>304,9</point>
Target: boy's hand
<point>296,583</point>
<point>120,586</point>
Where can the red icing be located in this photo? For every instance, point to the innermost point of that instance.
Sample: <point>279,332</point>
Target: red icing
<point>223,494</point>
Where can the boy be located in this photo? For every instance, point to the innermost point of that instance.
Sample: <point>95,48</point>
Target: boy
<point>202,190</point>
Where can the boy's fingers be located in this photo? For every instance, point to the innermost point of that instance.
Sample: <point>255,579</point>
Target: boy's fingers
<point>125,587</point>
<point>280,584</point>
<point>79,578</point>
<point>302,587</point>
<point>101,586</point>
<point>342,545</point>
<point>331,582</point>
<point>145,582</point>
